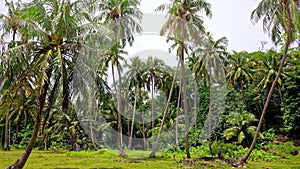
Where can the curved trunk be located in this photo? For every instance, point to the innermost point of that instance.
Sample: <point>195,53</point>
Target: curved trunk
<point>41,100</point>
<point>244,159</point>
<point>154,147</point>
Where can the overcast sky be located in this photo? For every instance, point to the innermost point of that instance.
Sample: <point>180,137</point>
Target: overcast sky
<point>231,18</point>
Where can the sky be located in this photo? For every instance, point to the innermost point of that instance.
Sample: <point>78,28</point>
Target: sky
<point>231,18</point>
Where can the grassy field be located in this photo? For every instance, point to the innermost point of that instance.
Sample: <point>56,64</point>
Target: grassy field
<point>109,160</point>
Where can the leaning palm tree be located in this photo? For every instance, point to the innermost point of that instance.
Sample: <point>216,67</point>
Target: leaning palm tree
<point>184,25</point>
<point>51,43</point>
<point>281,19</point>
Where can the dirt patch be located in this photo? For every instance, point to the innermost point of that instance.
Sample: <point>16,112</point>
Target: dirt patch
<point>296,143</point>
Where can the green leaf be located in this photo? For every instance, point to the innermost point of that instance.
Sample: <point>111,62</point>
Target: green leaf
<point>86,16</point>
<point>241,137</point>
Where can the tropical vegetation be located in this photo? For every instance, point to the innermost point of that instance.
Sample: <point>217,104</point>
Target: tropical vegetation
<point>67,84</point>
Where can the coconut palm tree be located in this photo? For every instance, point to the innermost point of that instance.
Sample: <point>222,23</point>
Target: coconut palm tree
<point>10,25</point>
<point>184,25</point>
<point>51,43</point>
<point>212,54</point>
<point>121,16</point>
<point>239,70</point>
<point>134,74</point>
<point>153,74</point>
<point>280,17</point>
<point>267,68</point>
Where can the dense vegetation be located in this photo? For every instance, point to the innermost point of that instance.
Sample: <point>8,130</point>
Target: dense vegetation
<point>57,58</point>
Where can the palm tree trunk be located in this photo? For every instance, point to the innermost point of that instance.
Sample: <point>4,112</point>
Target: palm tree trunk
<point>6,135</point>
<point>186,119</point>
<point>244,159</point>
<point>17,132</point>
<point>152,105</point>
<point>133,116</point>
<point>122,153</point>
<point>176,122</point>
<point>209,112</point>
<point>195,106</point>
<point>41,100</point>
<point>154,147</point>
<point>50,102</point>
<point>91,127</point>
<point>119,135</point>
<point>143,129</point>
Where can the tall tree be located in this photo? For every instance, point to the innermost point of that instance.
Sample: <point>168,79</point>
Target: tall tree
<point>121,16</point>
<point>184,25</point>
<point>154,80</point>
<point>280,17</point>
<point>134,74</point>
<point>50,46</point>
<point>212,54</point>
<point>10,25</point>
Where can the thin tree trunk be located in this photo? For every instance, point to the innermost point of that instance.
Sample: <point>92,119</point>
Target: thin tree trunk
<point>42,97</point>
<point>122,153</point>
<point>17,132</point>
<point>154,147</point>
<point>195,106</point>
<point>152,106</point>
<point>244,159</point>
<point>176,122</point>
<point>50,102</point>
<point>133,116</point>
<point>6,135</point>
<point>128,128</point>
<point>45,142</point>
<point>209,111</point>
<point>186,119</point>
<point>143,129</point>
<point>91,127</point>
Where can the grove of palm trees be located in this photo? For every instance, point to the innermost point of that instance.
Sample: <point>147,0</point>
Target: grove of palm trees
<point>71,96</point>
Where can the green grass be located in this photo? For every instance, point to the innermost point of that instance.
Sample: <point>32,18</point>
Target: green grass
<point>108,160</point>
